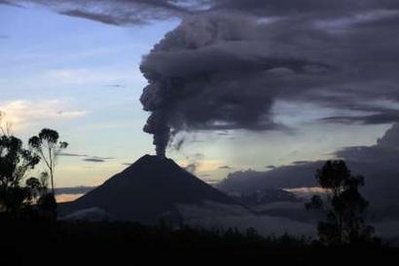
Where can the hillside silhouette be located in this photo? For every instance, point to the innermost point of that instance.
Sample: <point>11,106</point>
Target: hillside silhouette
<point>147,192</point>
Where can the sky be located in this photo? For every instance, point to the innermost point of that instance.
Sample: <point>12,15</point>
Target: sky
<point>240,85</point>
<point>80,78</point>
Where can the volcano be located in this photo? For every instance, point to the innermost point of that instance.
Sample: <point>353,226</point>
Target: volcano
<point>147,191</point>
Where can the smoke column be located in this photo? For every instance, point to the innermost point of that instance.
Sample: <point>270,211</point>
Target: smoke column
<point>216,72</point>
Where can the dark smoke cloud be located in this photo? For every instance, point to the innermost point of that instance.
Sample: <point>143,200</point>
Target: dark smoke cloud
<point>230,61</point>
<point>289,7</point>
<point>226,70</point>
<point>215,73</point>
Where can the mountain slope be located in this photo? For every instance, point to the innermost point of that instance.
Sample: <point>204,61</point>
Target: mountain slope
<point>146,191</point>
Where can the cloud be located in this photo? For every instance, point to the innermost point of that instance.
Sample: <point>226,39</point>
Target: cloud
<point>390,138</point>
<point>117,12</point>
<point>96,159</point>
<point>133,12</point>
<point>308,49</point>
<point>9,2</point>
<point>225,54</point>
<point>199,165</point>
<point>377,163</point>
<point>230,61</point>
<point>100,17</point>
<point>212,215</point>
<point>288,7</point>
<point>87,158</point>
<point>289,176</point>
<point>193,162</point>
<point>374,119</point>
<point>191,167</point>
<point>384,151</point>
<point>300,162</point>
<point>226,70</point>
<point>223,133</point>
<point>3,36</point>
<point>23,113</point>
<point>73,190</point>
<point>306,192</point>
<point>198,155</point>
<point>65,154</point>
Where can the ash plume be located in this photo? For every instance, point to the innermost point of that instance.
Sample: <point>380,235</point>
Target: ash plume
<point>230,61</point>
<point>214,72</point>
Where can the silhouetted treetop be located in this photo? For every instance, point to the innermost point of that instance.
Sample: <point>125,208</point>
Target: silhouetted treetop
<point>47,145</point>
<point>343,204</point>
<point>15,161</point>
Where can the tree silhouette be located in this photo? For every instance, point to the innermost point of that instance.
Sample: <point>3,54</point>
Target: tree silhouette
<point>344,205</point>
<point>48,147</point>
<point>15,161</point>
<point>48,205</point>
<point>35,188</point>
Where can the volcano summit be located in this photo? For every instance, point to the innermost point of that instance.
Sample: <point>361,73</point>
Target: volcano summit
<point>148,191</point>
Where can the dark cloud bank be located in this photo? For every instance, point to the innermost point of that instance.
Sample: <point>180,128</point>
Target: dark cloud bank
<point>378,164</point>
<point>229,61</point>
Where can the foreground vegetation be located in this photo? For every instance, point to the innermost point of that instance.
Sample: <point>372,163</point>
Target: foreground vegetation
<point>24,242</point>
<point>20,193</point>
